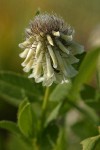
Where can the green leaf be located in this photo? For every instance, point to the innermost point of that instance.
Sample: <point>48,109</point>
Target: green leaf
<point>22,105</point>
<point>94,104</point>
<point>10,126</point>
<point>2,144</point>
<point>49,136</point>
<point>86,70</point>
<point>98,73</point>
<point>79,126</point>
<point>88,93</point>
<point>90,143</point>
<point>99,129</point>
<point>13,128</point>
<point>53,115</point>
<point>61,141</point>
<point>60,92</point>
<point>25,120</point>
<point>15,87</point>
<point>91,96</point>
<point>16,143</point>
<point>89,113</point>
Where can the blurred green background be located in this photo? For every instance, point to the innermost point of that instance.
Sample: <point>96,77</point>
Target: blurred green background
<point>15,15</point>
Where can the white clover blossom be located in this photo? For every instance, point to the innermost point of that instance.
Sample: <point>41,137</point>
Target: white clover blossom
<point>49,50</point>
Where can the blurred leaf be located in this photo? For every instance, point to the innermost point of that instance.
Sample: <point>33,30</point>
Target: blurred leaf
<point>21,106</point>
<point>15,88</point>
<point>79,126</point>
<point>91,96</point>
<point>25,120</point>
<point>2,144</point>
<point>99,129</point>
<point>60,92</point>
<point>13,95</point>
<point>98,73</point>
<point>10,126</point>
<point>49,136</point>
<point>95,105</point>
<point>90,143</point>
<point>88,93</point>
<point>53,115</point>
<point>61,141</point>
<point>89,113</point>
<point>86,70</point>
<point>13,128</point>
<point>16,143</point>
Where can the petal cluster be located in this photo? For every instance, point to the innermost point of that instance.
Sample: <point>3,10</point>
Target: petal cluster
<point>49,50</point>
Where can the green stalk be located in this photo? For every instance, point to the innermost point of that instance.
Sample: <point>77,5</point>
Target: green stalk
<point>43,117</point>
<point>45,101</point>
<point>44,106</point>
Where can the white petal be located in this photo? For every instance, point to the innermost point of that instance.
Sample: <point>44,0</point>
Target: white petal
<point>67,38</point>
<point>28,66</point>
<point>24,53</point>
<point>34,45</point>
<point>38,70</point>
<point>66,81</point>
<point>50,40</point>
<point>31,75</point>
<point>38,49</point>
<point>60,61</point>
<point>27,42</point>
<point>48,82</point>
<point>50,71</point>
<point>62,47</point>
<point>45,70</point>
<point>38,66</point>
<point>28,30</point>
<point>56,33</point>
<point>76,48</point>
<point>59,77</point>
<point>24,44</point>
<point>40,58</point>
<point>72,59</point>
<point>71,72</point>
<point>29,56</point>
<point>38,80</point>
<point>52,54</point>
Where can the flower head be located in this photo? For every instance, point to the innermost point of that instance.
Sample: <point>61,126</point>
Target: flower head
<point>49,50</point>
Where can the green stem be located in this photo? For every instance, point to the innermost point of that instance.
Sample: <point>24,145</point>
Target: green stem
<point>44,106</point>
<point>43,117</point>
<point>45,101</point>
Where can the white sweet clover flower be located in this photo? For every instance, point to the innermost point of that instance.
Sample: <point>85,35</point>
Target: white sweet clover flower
<point>49,50</point>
